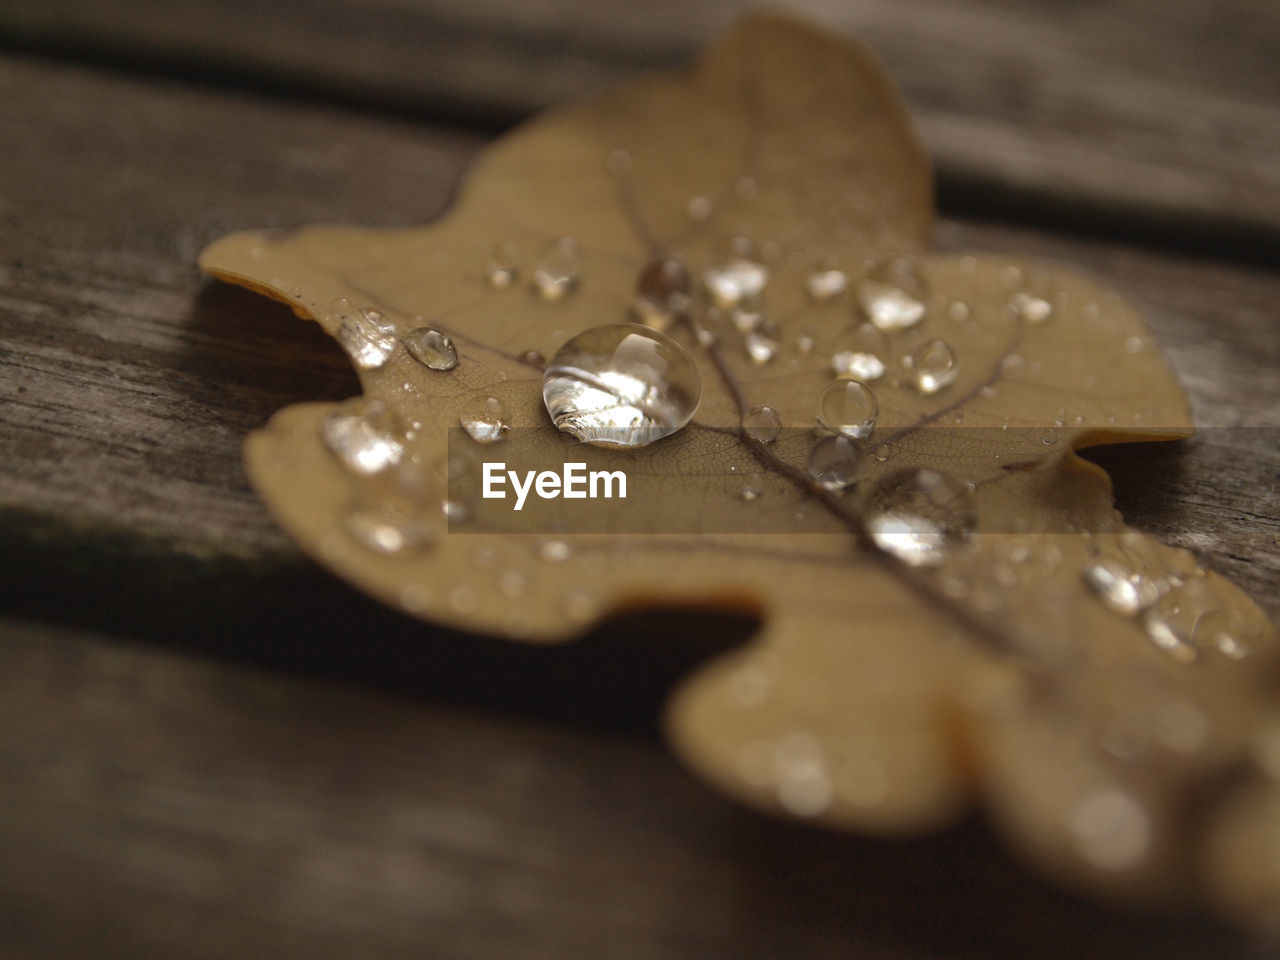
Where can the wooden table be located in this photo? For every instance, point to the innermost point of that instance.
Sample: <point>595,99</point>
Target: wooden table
<point>210,748</point>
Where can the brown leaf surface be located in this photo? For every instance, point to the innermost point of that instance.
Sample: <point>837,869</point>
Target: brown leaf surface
<point>877,696</point>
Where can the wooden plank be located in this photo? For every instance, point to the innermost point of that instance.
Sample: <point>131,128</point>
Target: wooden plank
<point>155,806</point>
<point>1133,108</point>
<point>129,383</point>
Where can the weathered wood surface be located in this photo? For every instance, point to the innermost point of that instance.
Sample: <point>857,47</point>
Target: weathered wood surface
<point>131,382</point>
<point>153,804</point>
<point>162,807</point>
<point>1093,111</point>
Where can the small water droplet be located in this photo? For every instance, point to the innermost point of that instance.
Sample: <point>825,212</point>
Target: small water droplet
<point>746,188</point>
<point>1031,309</point>
<point>760,348</point>
<point>513,583</point>
<point>579,604</point>
<point>431,348</point>
<point>364,435</point>
<point>958,311</point>
<point>1120,587</point>
<point>857,353</point>
<point>803,783</point>
<point>892,294</point>
<point>934,366</point>
<point>557,270</point>
<point>367,339</point>
<point>1135,345</point>
<point>750,493</point>
<point>836,463</point>
<point>883,452</point>
<point>848,407</point>
<point>663,291</point>
<point>484,419</point>
<point>533,358</point>
<point>394,513</point>
<point>618,162</point>
<point>699,207</point>
<point>1112,831</point>
<point>555,551</point>
<point>621,385</point>
<point>747,316</point>
<point>825,285</point>
<point>503,267</point>
<point>919,516</point>
<point>762,424</point>
<point>736,273</point>
<point>805,342</point>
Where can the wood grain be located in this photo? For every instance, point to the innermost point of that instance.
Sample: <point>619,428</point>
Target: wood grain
<point>130,382</point>
<point>1098,113</point>
<point>161,807</point>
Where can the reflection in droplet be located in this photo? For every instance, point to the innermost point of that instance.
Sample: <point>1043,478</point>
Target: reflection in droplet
<point>836,463</point>
<point>366,337</point>
<point>919,516</point>
<point>431,348</point>
<point>621,385</point>
<point>934,366</point>
<point>364,435</point>
<point>557,270</point>
<point>848,407</point>
<point>484,419</point>
<point>857,353</point>
<point>824,285</point>
<point>663,291</point>
<point>892,294</point>
<point>736,273</point>
<point>762,424</point>
<point>503,267</point>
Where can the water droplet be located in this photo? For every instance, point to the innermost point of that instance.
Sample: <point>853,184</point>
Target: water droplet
<point>621,385</point>
<point>1135,344</point>
<point>618,162</point>
<point>892,294</point>
<point>934,366</point>
<point>555,551</point>
<point>857,353</point>
<point>746,188</point>
<point>805,342</point>
<point>760,348</point>
<point>533,358</point>
<point>503,267</point>
<point>750,493</point>
<point>883,452</point>
<point>736,273</point>
<point>958,311</point>
<point>558,269</point>
<point>803,783</point>
<point>367,339</point>
<point>1031,309</point>
<point>920,515</point>
<point>663,291</point>
<point>1121,588</point>
<point>1111,829</point>
<point>836,463</point>
<point>395,512</point>
<point>848,407</point>
<point>431,348</point>
<point>699,207</point>
<point>748,316</point>
<point>762,424</point>
<point>484,419</point>
<point>364,435</point>
<point>825,285</point>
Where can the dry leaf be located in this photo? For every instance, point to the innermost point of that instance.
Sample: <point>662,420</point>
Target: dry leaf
<point>882,693</point>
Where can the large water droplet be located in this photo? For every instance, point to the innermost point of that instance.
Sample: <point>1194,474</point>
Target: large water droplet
<point>558,269</point>
<point>836,463</point>
<point>621,385</point>
<point>857,353</point>
<point>825,285</point>
<point>663,291</point>
<point>736,273</point>
<point>934,366</point>
<point>484,419</point>
<point>892,294</point>
<point>364,435</point>
<point>848,407</point>
<point>920,515</point>
<point>366,337</point>
<point>431,348</point>
<point>762,424</point>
